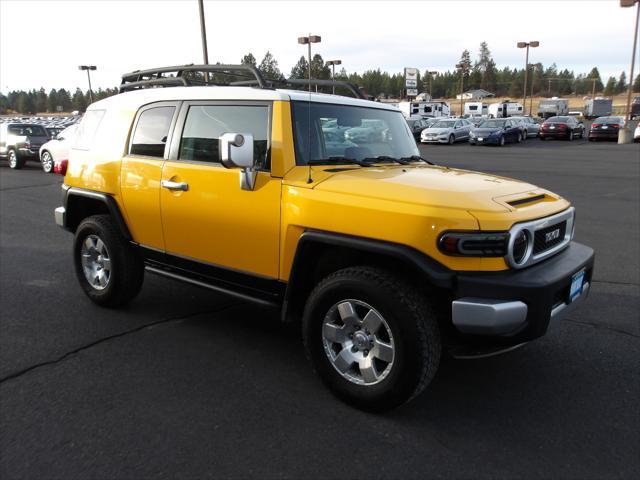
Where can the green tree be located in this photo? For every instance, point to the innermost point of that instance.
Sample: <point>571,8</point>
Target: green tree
<point>319,70</point>
<point>52,100</point>
<point>594,73</point>
<point>64,100</point>
<point>621,86</point>
<point>464,68</point>
<point>300,69</point>
<point>78,101</point>
<point>248,59</point>
<point>610,88</point>
<point>269,67</point>
<point>4,104</point>
<point>636,84</point>
<point>25,103</point>
<point>41,100</point>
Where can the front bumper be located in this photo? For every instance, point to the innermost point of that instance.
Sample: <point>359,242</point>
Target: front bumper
<point>434,140</point>
<point>515,306</point>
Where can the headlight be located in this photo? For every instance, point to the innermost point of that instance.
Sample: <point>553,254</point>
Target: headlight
<point>472,135</point>
<point>474,244</point>
<point>520,246</point>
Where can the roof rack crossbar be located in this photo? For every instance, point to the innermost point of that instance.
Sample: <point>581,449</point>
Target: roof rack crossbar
<point>328,83</point>
<point>155,74</point>
<point>156,82</point>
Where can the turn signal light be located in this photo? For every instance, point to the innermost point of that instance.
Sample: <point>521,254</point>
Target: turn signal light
<point>474,244</point>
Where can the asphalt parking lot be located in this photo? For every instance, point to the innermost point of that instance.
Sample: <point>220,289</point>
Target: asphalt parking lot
<point>186,383</point>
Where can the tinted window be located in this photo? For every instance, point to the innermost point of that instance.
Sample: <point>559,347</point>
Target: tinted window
<point>151,132</point>
<point>205,123</point>
<point>87,129</point>
<point>27,130</point>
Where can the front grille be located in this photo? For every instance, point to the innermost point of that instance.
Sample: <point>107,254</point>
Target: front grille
<point>540,241</point>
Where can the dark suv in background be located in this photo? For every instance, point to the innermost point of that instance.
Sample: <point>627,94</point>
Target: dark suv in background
<point>20,142</point>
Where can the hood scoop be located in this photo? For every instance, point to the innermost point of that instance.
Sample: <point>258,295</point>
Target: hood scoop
<point>519,202</point>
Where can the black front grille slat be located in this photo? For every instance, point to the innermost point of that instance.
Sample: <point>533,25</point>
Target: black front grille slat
<point>540,243</point>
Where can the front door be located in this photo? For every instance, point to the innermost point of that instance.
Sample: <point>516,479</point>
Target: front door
<point>211,219</point>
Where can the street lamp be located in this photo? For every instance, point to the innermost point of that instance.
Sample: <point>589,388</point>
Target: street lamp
<point>461,68</point>
<point>308,41</point>
<point>625,133</point>
<point>431,74</point>
<point>526,45</point>
<point>88,68</point>
<point>333,64</point>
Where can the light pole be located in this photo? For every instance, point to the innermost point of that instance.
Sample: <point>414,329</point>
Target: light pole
<point>308,41</point>
<point>461,68</point>
<point>625,133</point>
<point>526,45</point>
<point>431,74</point>
<point>333,64</point>
<point>88,68</point>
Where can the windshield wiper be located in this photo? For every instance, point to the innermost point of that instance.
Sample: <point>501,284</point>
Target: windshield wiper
<point>417,158</point>
<point>338,161</point>
<point>386,158</point>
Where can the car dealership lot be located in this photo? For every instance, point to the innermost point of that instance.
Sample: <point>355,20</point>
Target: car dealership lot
<point>187,383</point>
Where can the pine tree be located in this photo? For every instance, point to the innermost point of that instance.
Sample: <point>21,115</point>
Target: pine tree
<point>64,100</point>
<point>269,67</point>
<point>41,100</point>
<point>636,84</point>
<point>319,70</point>
<point>300,69</point>
<point>248,59</point>
<point>78,101</point>
<point>594,73</point>
<point>621,86</point>
<point>610,89</point>
<point>52,101</point>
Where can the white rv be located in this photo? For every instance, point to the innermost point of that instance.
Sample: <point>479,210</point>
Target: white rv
<point>505,109</point>
<point>424,109</point>
<point>476,109</point>
<point>552,107</point>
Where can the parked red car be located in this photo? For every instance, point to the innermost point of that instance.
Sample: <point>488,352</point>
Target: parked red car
<point>561,127</point>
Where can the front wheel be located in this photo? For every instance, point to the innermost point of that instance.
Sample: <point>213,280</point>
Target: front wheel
<point>109,271</point>
<point>47,162</point>
<point>372,338</point>
<point>501,141</point>
<point>452,139</point>
<point>15,162</point>
<point>570,137</point>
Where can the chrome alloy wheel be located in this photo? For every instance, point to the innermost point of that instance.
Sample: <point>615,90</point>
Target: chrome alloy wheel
<point>13,159</point>
<point>96,263</point>
<point>47,162</point>
<point>358,342</point>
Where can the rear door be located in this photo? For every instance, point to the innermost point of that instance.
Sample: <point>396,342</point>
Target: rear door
<point>141,171</point>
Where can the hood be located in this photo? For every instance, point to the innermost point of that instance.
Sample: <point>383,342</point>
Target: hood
<point>437,130</point>
<point>486,131</point>
<point>427,185</point>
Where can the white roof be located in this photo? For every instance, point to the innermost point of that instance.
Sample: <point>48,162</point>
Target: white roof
<point>137,98</point>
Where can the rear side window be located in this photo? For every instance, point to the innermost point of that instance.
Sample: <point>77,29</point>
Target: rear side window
<point>87,129</point>
<point>152,129</point>
<point>205,123</point>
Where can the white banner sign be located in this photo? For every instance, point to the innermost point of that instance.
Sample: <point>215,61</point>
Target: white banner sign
<point>412,92</point>
<point>410,77</point>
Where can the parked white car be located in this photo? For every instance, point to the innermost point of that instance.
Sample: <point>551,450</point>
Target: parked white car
<point>57,149</point>
<point>447,131</point>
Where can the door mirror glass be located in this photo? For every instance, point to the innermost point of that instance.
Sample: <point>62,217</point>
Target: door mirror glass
<point>236,150</point>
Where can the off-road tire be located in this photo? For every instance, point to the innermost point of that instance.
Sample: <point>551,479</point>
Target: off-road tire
<point>15,162</point>
<point>47,162</point>
<point>126,270</point>
<point>413,323</point>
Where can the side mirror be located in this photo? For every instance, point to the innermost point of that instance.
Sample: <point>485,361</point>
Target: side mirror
<point>59,138</point>
<point>236,151</point>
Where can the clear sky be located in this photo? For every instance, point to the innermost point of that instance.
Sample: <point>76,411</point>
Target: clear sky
<point>43,42</point>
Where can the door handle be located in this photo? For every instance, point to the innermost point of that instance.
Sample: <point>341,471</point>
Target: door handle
<point>168,184</point>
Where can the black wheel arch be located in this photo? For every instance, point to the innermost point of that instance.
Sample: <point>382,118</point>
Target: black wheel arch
<point>80,204</point>
<point>320,253</point>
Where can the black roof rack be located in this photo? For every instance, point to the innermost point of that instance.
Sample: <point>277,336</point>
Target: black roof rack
<point>187,75</point>
<point>240,75</point>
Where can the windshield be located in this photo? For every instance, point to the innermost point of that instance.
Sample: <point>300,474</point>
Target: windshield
<point>28,130</point>
<point>326,132</point>
<point>444,124</point>
<point>493,124</point>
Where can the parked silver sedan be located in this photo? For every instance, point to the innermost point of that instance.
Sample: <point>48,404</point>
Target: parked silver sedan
<point>529,126</point>
<point>447,131</point>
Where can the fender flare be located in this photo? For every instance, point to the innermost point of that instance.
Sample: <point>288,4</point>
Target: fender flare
<point>107,200</point>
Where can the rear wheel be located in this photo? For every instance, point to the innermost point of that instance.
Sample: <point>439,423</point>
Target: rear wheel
<point>372,338</point>
<point>15,162</point>
<point>47,162</point>
<point>109,271</point>
<point>501,141</point>
<point>570,137</point>
<point>519,138</point>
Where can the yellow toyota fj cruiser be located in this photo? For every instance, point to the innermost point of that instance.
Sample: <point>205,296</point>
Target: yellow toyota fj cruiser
<point>320,206</point>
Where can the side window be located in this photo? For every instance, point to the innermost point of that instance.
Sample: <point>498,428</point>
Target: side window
<point>152,129</point>
<point>87,129</point>
<point>205,123</point>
